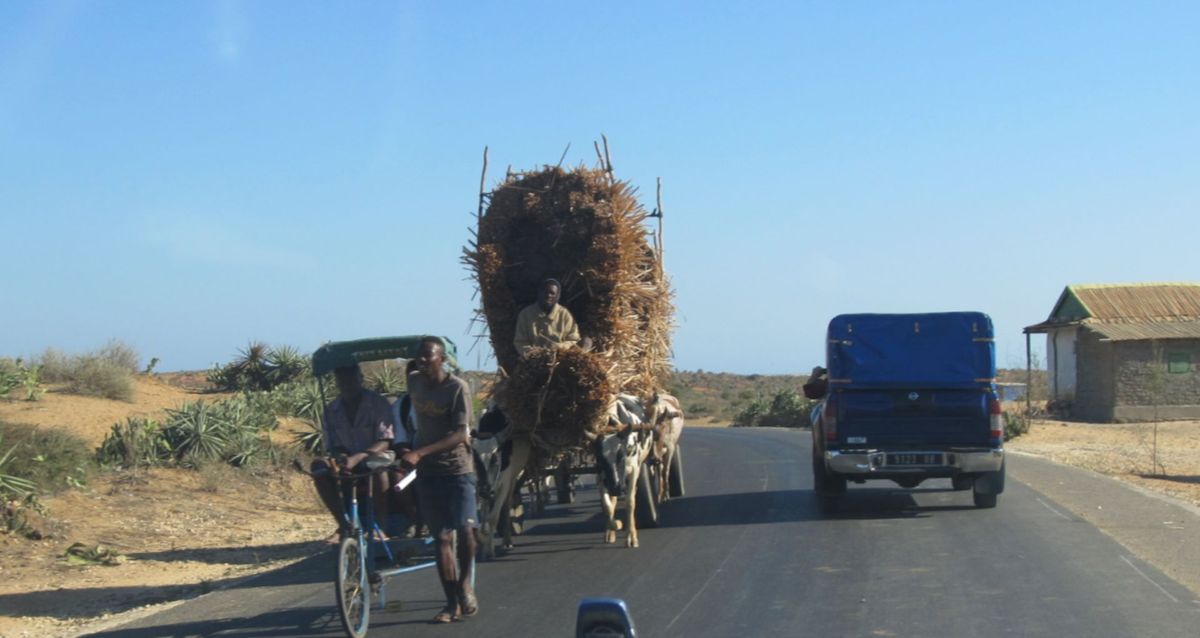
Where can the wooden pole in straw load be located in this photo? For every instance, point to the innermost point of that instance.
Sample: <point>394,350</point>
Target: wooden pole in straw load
<point>658,238</point>
<point>482,186</point>
<point>608,160</point>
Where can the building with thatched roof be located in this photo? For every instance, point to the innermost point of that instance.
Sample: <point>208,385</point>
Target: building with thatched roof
<point>1128,352</point>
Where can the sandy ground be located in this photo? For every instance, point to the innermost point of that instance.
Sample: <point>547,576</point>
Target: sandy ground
<point>1125,451</point>
<point>91,418</point>
<point>182,533</point>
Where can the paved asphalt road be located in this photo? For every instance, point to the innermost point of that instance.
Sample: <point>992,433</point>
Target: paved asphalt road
<point>746,553</point>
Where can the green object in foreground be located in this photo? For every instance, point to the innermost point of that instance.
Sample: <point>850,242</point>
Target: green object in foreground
<point>82,555</point>
<point>336,354</point>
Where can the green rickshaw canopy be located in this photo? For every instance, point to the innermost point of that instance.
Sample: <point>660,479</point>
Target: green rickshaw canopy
<point>336,354</point>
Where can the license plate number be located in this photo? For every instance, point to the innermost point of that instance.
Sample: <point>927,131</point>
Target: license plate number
<point>914,459</point>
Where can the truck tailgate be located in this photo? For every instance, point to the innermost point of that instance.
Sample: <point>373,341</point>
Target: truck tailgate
<point>913,418</point>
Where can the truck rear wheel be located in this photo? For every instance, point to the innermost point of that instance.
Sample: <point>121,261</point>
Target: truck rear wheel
<point>984,501</point>
<point>987,487</point>
<point>828,487</point>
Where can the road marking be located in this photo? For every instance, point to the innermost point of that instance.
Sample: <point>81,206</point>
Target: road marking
<point>1149,580</point>
<point>703,587</point>
<point>1060,514</point>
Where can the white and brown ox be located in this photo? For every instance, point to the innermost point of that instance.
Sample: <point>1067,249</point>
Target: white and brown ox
<point>667,418</point>
<point>620,455</point>
<point>649,433</point>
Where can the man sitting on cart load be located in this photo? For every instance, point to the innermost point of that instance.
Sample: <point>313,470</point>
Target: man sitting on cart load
<point>546,323</point>
<point>357,424</point>
<point>445,473</point>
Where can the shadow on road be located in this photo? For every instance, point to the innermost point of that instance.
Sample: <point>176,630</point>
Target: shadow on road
<point>745,508</point>
<point>236,555</point>
<point>884,503</point>
<point>791,506</point>
<point>89,601</point>
<point>290,622</point>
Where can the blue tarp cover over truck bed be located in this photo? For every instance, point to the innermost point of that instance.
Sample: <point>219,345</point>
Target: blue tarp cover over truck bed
<point>932,350</point>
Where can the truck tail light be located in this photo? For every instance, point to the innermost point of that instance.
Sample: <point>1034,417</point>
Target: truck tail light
<point>829,419</point>
<point>996,414</point>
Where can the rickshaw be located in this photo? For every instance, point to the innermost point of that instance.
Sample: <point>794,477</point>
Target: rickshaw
<point>365,563</point>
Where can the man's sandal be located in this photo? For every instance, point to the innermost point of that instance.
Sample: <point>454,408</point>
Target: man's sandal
<point>468,603</point>
<point>446,615</point>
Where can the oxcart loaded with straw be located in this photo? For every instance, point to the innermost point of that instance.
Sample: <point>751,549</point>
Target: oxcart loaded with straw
<point>587,230</point>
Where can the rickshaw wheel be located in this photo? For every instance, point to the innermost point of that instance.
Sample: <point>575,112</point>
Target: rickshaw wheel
<point>353,592</point>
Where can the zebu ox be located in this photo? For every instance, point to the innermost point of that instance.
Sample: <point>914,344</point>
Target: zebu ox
<point>501,458</point>
<point>667,417</point>
<point>620,456</point>
<point>637,435</point>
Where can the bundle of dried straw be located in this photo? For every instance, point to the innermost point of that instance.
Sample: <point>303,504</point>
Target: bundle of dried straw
<point>587,230</point>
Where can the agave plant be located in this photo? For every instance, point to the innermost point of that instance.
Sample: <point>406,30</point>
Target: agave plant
<point>285,365</point>
<point>254,366</point>
<point>193,434</point>
<point>253,411</point>
<point>311,439</point>
<point>11,486</point>
<point>302,400</point>
<point>386,379</point>
<point>243,447</point>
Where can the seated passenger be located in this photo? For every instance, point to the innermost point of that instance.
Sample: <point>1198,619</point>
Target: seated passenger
<point>357,424</point>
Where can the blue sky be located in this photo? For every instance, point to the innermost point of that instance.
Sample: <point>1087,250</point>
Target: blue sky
<point>189,176</point>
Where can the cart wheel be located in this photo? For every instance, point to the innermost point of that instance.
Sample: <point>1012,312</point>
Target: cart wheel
<point>675,478</point>
<point>562,484</point>
<point>647,508</point>
<point>353,592</point>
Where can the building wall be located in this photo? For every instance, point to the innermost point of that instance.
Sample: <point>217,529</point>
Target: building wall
<point>1143,382</point>
<point>1060,355</point>
<point>1095,391</point>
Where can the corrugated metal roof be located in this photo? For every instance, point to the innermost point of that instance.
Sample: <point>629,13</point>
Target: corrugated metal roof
<point>1152,302</point>
<point>1145,331</point>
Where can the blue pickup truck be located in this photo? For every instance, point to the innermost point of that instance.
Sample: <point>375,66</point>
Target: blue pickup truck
<point>910,397</point>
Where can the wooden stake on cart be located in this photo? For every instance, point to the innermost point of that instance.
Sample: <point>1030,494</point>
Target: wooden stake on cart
<point>658,212</point>
<point>608,160</point>
<point>482,186</point>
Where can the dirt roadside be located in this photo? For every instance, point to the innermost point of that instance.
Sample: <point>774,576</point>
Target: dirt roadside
<point>1125,452</point>
<point>179,533</point>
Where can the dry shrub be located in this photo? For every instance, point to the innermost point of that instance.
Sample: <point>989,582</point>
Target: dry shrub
<point>106,372</point>
<point>101,378</point>
<point>586,230</point>
<point>57,366</point>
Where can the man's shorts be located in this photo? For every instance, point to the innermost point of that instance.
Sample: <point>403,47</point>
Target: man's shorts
<point>447,502</point>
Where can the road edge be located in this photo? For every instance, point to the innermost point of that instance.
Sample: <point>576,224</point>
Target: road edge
<point>1156,530</point>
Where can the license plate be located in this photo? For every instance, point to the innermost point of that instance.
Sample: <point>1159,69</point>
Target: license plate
<point>914,459</point>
